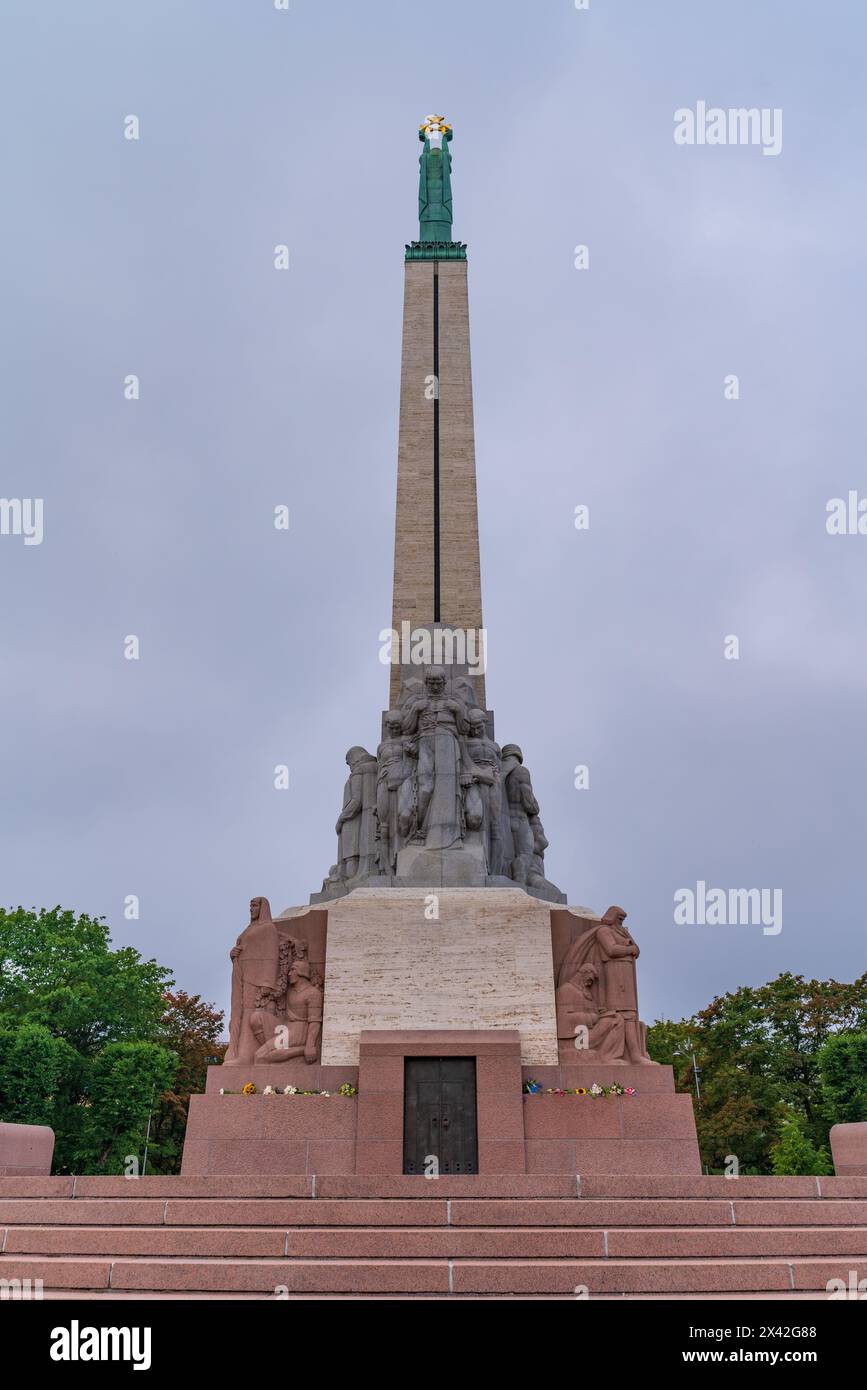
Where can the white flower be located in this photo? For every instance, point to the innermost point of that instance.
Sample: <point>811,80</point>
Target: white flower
<point>595,1090</point>
<point>290,1090</point>
<point>269,1091</point>
<point>325,1093</point>
<point>222,1092</point>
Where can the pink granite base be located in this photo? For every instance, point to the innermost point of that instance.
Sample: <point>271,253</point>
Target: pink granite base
<point>849,1150</point>
<point>26,1151</point>
<point>651,1132</point>
<point>279,1074</point>
<point>270,1134</point>
<point>647,1080</point>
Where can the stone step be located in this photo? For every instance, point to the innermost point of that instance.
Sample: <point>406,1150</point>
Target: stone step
<point>696,1277</point>
<point>524,1236</point>
<point>433,1276</point>
<point>223,1212</point>
<point>418,1242</point>
<point>734,1241</point>
<point>521,1185</point>
<point>661,1212</point>
<point>215,1242</point>
<point>591,1211</point>
<point>626,1188</point>
<point>399,1186</point>
<point>140,1295</point>
<point>137,1296</point>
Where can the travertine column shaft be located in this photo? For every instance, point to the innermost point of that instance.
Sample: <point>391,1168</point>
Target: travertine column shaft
<point>414,564</point>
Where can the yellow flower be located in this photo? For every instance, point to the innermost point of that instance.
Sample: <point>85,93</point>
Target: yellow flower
<point>249,1089</point>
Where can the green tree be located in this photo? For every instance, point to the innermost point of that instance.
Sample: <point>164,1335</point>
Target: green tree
<point>843,1071</point>
<point>801,1016</point>
<point>124,1084</point>
<point>192,1029</point>
<point>60,971</point>
<point>794,1155</point>
<point>758,1052</point>
<point>34,1067</point>
<point>84,1045</point>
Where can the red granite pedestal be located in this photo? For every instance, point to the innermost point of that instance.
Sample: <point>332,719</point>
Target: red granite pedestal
<point>650,1132</point>
<point>25,1150</point>
<point>849,1150</point>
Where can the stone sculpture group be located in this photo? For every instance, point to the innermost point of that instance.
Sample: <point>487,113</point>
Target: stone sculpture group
<point>277,999</point>
<point>438,787</point>
<point>276,1003</point>
<point>439,781</point>
<point>597,995</point>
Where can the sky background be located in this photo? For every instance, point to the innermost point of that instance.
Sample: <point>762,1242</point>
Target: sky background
<point>602,387</point>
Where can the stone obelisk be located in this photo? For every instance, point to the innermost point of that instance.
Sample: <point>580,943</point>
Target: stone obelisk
<point>438,963</point>
<point>441,804</point>
<point>436,551</point>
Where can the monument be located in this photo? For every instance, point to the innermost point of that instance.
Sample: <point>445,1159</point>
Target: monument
<point>438,974</point>
<point>436,1010</point>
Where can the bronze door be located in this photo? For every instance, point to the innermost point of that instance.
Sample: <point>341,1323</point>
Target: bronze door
<point>439,1115</point>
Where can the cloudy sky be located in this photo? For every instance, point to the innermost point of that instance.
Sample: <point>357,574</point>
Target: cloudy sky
<point>602,387</point>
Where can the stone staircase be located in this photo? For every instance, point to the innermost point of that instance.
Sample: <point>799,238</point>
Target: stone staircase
<point>473,1237</point>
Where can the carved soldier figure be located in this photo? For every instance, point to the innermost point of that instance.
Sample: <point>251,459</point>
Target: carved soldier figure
<point>255,961</point>
<point>521,804</point>
<point>536,872</point>
<point>439,721</point>
<point>580,1021</point>
<point>394,798</point>
<point>481,781</point>
<point>540,844</point>
<point>356,824</point>
<point>295,1031</point>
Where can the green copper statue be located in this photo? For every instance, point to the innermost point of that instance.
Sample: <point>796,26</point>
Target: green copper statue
<point>435,181</point>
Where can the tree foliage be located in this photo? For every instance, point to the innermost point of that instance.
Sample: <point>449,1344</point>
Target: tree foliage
<point>124,1084</point>
<point>758,1051</point>
<point>794,1154</point>
<point>59,970</point>
<point>843,1070</point>
<point>34,1065</point>
<point>94,1042</point>
<point>192,1029</point>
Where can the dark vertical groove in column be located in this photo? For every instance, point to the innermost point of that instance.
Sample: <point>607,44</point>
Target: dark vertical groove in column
<point>436,441</point>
